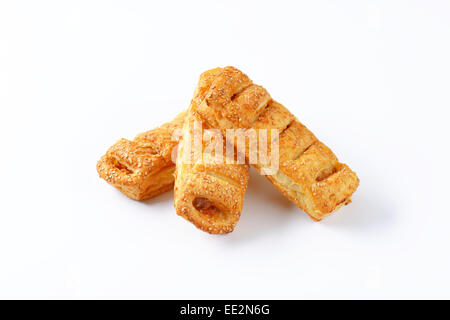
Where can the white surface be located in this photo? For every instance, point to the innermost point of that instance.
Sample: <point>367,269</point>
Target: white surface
<point>371,79</point>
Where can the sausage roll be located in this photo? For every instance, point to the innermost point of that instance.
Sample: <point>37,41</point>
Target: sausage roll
<point>309,174</point>
<point>142,168</point>
<point>209,187</point>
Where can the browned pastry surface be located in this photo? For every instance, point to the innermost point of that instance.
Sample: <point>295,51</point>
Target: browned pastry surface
<point>142,168</point>
<point>309,173</point>
<point>208,194</point>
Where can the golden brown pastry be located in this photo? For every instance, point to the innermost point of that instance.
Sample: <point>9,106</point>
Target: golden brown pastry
<point>142,168</point>
<point>209,190</point>
<point>309,173</point>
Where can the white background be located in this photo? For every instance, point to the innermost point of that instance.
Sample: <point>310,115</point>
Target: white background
<point>370,78</point>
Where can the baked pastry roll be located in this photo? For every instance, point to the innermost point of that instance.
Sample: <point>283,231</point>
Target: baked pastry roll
<point>209,187</point>
<point>309,174</point>
<point>143,168</point>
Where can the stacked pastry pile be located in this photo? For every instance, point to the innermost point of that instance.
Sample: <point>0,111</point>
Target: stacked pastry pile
<point>210,188</point>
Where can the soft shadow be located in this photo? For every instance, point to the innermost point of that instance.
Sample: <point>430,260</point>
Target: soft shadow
<point>162,198</point>
<point>265,210</point>
<point>370,212</point>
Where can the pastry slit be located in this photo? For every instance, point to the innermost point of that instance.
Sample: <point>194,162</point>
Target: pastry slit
<point>239,92</point>
<point>223,178</point>
<point>261,112</point>
<point>121,166</point>
<point>299,154</point>
<point>287,127</point>
<point>327,173</point>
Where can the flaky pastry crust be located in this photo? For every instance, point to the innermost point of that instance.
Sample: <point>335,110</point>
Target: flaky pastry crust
<point>209,193</point>
<point>142,168</point>
<point>309,173</point>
